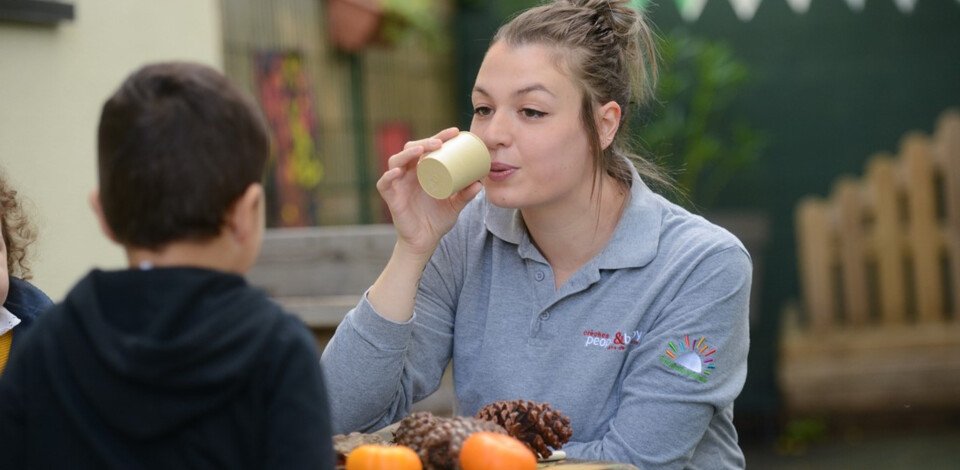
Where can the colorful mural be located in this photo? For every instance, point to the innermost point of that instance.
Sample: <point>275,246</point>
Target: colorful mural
<point>295,169</point>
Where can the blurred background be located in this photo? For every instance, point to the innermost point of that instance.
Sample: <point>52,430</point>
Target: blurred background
<point>818,131</point>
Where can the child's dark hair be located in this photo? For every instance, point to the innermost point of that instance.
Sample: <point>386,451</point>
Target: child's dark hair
<point>16,230</point>
<point>178,144</point>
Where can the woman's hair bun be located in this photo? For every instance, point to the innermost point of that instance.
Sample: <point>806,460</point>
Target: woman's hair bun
<point>615,16</point>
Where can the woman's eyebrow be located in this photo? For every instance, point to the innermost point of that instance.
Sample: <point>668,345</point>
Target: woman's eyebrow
<point>522,91</point>
<point>532,88</point>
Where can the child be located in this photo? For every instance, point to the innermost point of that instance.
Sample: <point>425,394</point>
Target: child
<point>21,302</point>
<point>175,362</point>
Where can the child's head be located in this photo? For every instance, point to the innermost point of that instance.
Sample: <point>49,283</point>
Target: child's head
<point>17,234</point>
<point>178,145</point>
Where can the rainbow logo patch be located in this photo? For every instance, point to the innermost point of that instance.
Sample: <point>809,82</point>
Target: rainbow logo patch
<point>693,359</point>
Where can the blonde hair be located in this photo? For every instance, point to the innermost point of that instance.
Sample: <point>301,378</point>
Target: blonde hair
<point>16,230</point>
<point>610,52</point>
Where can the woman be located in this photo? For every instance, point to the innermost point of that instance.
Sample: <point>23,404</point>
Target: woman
<point>568,281</point>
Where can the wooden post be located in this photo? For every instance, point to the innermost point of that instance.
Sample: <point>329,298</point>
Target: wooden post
<point>924,234</point>
<point>887,243</point>
<point>815,246</point>
<point>848,199</point>
<point>947,155</point>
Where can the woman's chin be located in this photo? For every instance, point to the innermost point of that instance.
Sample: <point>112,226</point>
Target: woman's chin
<point>500,198</point>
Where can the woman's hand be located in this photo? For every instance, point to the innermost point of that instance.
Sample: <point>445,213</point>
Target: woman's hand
<point>419,219</point>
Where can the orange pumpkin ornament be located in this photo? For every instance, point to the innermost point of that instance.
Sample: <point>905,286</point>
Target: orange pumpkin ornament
<point>381,457</point>
<point>492,451</point>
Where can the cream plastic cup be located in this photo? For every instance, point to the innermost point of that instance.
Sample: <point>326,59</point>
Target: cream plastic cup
<point>459,162</point>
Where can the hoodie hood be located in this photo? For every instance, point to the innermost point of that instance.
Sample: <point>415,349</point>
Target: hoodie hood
<point>148,351</point>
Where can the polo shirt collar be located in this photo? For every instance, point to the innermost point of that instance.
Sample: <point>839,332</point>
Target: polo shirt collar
<point>505,224</point>
<point>7,320</point>
<point>634,242</point>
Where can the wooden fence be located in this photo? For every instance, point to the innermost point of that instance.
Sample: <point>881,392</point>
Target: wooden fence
<point>880,276</point>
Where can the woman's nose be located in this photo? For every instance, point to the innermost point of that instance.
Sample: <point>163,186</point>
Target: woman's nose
<point>495,131</point>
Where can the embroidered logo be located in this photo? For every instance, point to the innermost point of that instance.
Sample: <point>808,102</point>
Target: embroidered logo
<point>615,342</point>
<point>692,359</point>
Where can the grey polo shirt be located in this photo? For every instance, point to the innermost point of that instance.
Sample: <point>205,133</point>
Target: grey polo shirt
<point>645,347</point>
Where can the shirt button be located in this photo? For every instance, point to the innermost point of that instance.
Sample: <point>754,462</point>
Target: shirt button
<point>545,316</point>
<point>539,275</point>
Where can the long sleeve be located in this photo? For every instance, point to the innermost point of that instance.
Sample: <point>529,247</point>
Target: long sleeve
<point>668,401</point>
<point>376,369</point>
<point>363,363</point>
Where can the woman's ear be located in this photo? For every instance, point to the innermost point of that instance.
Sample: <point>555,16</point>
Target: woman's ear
<point>94,200</point>
<point>245,218</point>
<point>608,122</point>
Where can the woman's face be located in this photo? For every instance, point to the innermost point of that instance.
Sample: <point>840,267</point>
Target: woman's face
<point>528,113</point>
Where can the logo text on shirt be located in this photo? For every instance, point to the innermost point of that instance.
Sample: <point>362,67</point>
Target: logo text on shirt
<point>616,342</point>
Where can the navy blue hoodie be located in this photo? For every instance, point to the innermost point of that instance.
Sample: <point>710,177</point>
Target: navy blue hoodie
<point>165,368</point>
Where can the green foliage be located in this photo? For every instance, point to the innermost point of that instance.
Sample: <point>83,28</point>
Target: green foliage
<point>693,129</point>
<point>422,20</point>
<point>799,434</point>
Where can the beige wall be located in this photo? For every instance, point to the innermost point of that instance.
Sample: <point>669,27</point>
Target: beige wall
<point>53,81</point>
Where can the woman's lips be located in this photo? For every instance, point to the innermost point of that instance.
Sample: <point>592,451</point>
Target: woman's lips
<point>500,171</point>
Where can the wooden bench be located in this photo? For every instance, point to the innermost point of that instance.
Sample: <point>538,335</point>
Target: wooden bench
<point>319,274</point>
<point>879,260</point>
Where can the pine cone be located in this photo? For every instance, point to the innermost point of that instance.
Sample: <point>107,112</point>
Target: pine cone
<point>442,445</point>
<point>414,429</point>
<point>537,425</point>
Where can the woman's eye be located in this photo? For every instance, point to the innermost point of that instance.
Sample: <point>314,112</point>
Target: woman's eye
<point>532,113</point>
<point>482,111</point>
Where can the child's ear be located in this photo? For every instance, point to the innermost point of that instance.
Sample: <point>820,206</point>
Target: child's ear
<point>608,121</point>
<point>94,200</point>
<point>245,218</point>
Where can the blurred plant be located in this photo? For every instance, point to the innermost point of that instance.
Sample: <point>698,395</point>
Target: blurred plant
<point>422,20</point>
<point>799,434</point>
<point>692,129</point>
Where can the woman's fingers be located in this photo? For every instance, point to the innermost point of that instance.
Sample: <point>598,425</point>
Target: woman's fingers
<point>434,142</point>
<point>431,143</point>
<point>412,152</point>
<point>405,157</point>
<point>447,134</point>
<point>466,195</point>
<point>388,178</point>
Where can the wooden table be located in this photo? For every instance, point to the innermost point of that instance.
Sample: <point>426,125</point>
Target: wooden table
<point>573,464</point>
